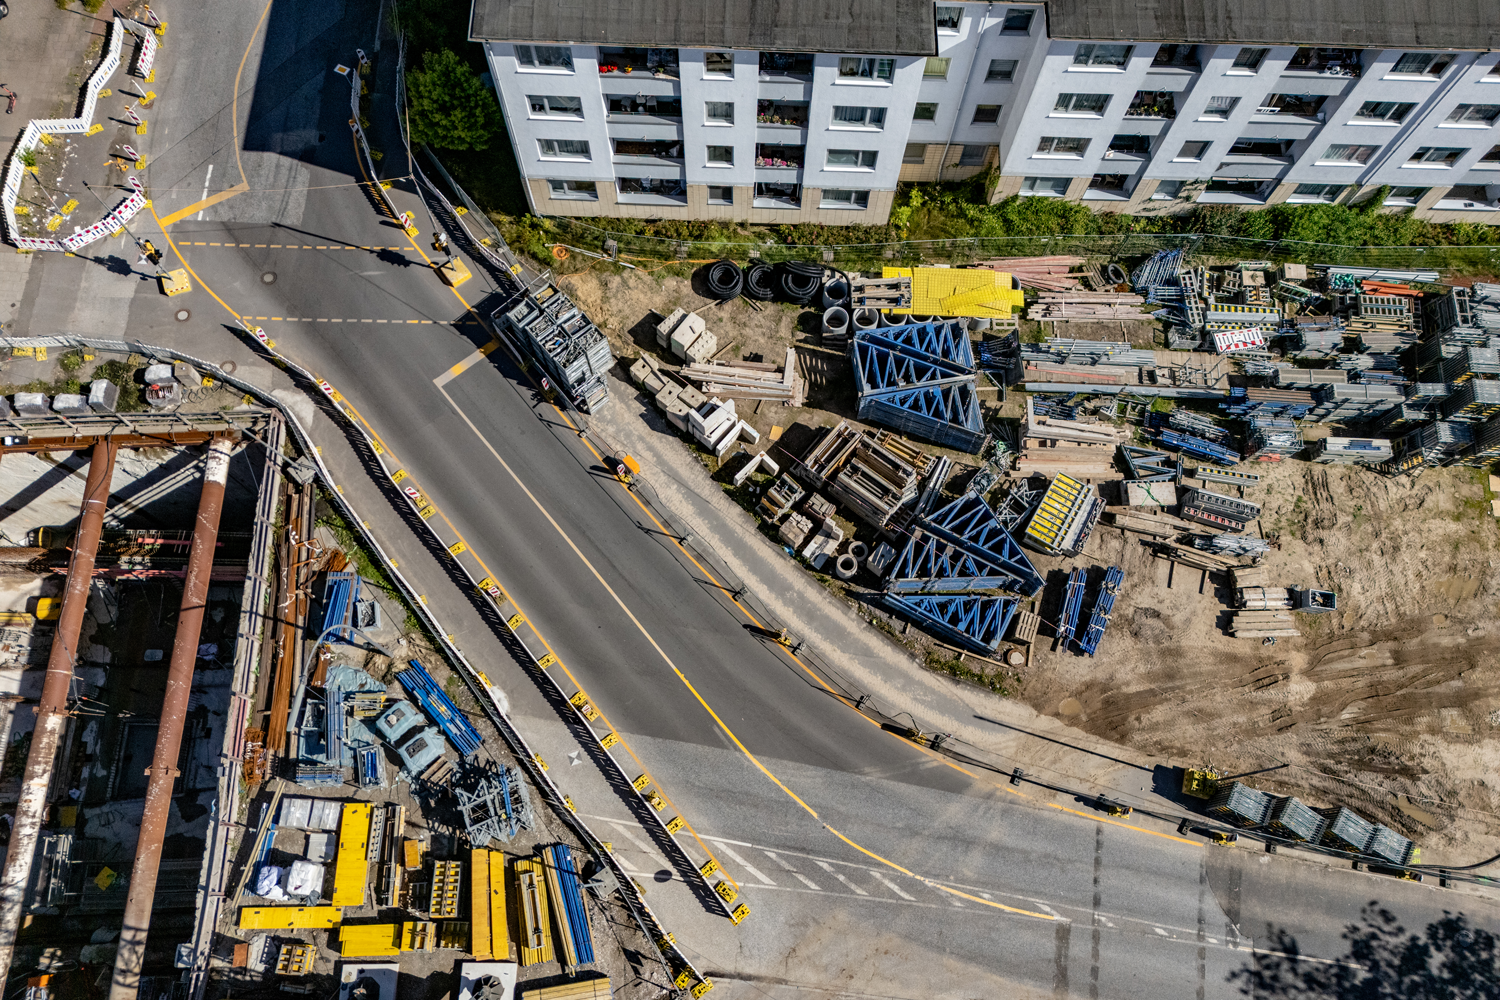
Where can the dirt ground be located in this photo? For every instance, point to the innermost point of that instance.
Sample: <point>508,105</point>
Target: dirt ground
<point>1390,705</point>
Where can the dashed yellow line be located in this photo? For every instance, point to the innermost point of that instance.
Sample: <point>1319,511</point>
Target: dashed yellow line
<point>285,246</point>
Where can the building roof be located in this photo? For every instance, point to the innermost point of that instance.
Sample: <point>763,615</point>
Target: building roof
<point>880,27</point>
<point>1394,24</point>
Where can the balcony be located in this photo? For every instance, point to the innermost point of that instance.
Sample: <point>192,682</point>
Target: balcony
<point>1250,150</point>
<point>1153,104</point>
<point>629,61</point>
<point>777,195</point>
<point>652,190</point>
<point>785,114</point>
<point>1182,58</point>
<point>1294,105</point>
<point>1236,191</point>
<point>1129,147</point>
<point>770,155</point>
<point>786,66</point>
<point>643,108</point>
<point>1469,198</point>
<point>1326,62</point>
<point>648,151</point>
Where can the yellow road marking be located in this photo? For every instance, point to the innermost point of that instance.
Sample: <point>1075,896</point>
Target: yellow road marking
<point>211,200</point>
<point>466,363</point>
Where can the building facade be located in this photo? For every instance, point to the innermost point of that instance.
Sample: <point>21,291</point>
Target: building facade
<point>749,111</point>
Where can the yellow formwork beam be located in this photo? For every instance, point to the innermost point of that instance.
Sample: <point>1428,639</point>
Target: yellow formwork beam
<point>531,897</point>
<point>370,940</point>
<point>351,867</point>
<point>289,917</point>
<point>499,921</point>
<point>479,904</point>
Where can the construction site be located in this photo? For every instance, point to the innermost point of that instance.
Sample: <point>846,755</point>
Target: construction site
<point>235,760</point>
<point>1237,513</point>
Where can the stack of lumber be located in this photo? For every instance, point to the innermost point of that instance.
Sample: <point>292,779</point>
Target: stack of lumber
<point>1088,305</point>
<point>1374,287</point>
<point>1052,445</point>
<point>1196,558</point>
<point>1262,624</point>
<point>1250,576</point>
<point>749,379</point>
<point>881,293</point>
<point>1265,598</point>
<point>1039,272</point>
<point>1157,526</point>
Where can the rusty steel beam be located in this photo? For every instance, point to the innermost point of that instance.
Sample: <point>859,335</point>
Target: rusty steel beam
<point>169,439</point>
<point>163,771</point>
<point>52,710</point>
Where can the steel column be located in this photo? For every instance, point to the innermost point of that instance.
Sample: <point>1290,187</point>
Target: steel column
<point>163,772</point>
<point>52,710</point>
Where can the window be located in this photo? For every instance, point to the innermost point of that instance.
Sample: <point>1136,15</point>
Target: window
<point>1494,71</point>
<point>797,64</point>
<point>1167,191</point>
<point>924,113</point>
<point>720,194</point>
<point>1302,105</point>
<point>1473,114</point>
<point>1080,104</point>
<point>851,117</point>
<point>1404,197</point>
<point>852,159</point>
<point>1275,148</point>
<point>1249,60</point>
<point>1102,56</point>
<point>1001,71</point>
<point>973,156</point>
<point>1018,20</point>
<point>718,63</point>
<point>1193,150</point>
<point>1062,145</point>
<point>986,114</point>
<point>545,57</point>
<point>637,104</point>
<point>1305,193</point>
<point>721,155</point>
<point>574,190</point>
<point>656,149</point>
<point>1220,108</point>
<point>662,187</point>
<point>1471,196</point>
<point>1435,156</point>
<point>1330,62</point>
<point>564,149</point>
<point>1152,104</point>
<point>1108,182</point>
<point>1044,187</point>
<point>1492,156</point>
<point>915,152</point>
<point>1422,64</point>
<point>1129,145</point>
<point>855,68</point>
<point>844,198</point>
<point>718,112</point>
<point>557,107</point>
<point>1348,154</point>
<point>936,68</point>
<point>949,18</point>
<point>1176,56</point>
<point>1243,190</point>
<point>1383,111</point>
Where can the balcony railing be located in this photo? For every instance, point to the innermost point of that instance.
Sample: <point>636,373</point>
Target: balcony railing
<point>656,62</point>
<point>768,155</point>
<point>797,65</point>
<point>1177,57</point>
<point>640,149</point>
<point>1328,62</point>
<point>781,113</point>
<point>651,107</point>
<point>1153,104</point>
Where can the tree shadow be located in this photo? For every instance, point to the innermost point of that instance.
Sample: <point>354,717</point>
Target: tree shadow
<point>1449,960</point>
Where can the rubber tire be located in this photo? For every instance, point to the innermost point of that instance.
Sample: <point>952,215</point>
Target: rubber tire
<point>724,279</point>
<point>1115,274</point>
<point>760,281</point>
<point>798,287</point>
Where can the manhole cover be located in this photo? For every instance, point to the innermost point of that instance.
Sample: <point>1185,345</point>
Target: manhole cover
<point>182,315</point>
<point>269,278</point>
<point>227,367</point>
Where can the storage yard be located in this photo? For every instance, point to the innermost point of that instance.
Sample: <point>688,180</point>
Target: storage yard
<point>1256,534</point>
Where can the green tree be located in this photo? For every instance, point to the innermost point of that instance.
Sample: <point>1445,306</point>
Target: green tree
<point>450,107</point>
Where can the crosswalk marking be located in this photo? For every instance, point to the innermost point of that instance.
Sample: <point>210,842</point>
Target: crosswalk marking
<point>892,886</point>
<point>795,873</point>
<point>321,319</point>
<point>731,855</point>
<point>644,847</point>
<point>829,869</point>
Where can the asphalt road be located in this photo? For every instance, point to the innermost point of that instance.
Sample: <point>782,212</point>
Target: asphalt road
<point>1124,911</point>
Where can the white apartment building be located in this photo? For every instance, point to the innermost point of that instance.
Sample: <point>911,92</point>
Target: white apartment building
<point>765,111</point>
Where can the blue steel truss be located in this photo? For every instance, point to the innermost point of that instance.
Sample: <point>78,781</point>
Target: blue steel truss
<point>1072,606</point>
<point>948,340</point>
<point>1104,606</point>
<point>880,363</point>
<point>1187,443</point>
<point>962,548</point>
<point>919,379</point>
<point>1147,465</point>
<point>974,623</point>
<point>945,412</point>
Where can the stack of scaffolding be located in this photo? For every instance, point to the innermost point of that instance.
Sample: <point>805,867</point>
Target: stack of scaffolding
<point>919,379</point>
<point>1052,445</point>
<point>571,350</point>
<point>749,379</point>
<point>1039,272</point>
<point>874,475</point>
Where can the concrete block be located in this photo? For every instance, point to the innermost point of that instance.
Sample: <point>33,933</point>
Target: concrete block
<point>31,404</point>
<point>186,375</point>
<point>823,544</point>
<point>760,460</point>
<point>104,395</point>
<point>706,419</point>
<point>692,397</point>
<point>677,413</point>
<point>881,559</point>
<point>665,327</point>
<point>794,529</point>
<point>749,433</point>
<point>70,404</point>
<point>667,393</point>
<point>729,440</point>
<point>640,371</point>
<point>5,410</point>
<point>704,347</point>
<point>690,329</point>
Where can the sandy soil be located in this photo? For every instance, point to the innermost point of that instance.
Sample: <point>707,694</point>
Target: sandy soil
<point>1391,705</point>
